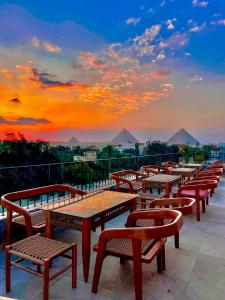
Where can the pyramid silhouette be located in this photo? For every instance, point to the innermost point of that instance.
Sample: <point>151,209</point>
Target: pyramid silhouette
<point>124,137</point>
<point>182,137</point>
<point>73,140</point>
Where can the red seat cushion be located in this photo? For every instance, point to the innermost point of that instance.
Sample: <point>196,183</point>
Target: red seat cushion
<point>191,193</point>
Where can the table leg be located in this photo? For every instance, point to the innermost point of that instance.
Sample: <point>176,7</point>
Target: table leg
<point>168,190</point>
<point>143,187</point>
<point>86,246</point>
<point>48,226</point>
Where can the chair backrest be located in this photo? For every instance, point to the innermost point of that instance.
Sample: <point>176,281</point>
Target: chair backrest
<point>160,228</point>
<point>156,167</point>
<point>120,177</point>
<point>197,187</point>
<point>7,201</point>
<point>184,205</point>
<point>149,171</point>
<point>212,172</point>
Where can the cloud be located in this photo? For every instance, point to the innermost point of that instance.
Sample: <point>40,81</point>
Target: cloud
<point>49,47</point>
<point>169,23</point>
<point>90,61</point>
<point>133,21</point>
<point>142,43</point>
<point>22,121</point>
<point>196,78</point>
<point>15,100</point>
<point>18,26</point>
<point>221,22</point>
<point>46,80</point>
<point>196,3</point>
<point>198,28</point>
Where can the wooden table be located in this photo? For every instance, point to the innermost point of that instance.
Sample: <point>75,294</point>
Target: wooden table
<point>184,172</point>
<point>88,214</point>
<point>162,180</point>
<point>197,167</point>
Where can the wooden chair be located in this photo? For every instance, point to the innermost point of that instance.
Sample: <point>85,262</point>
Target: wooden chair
<point>159,169</point>
<point>128,180</point>
<point>138,244</point>
<point>199,191</point>
<point>206,180</point>
<point>170,164</point>
<point>39,251</point>
<point>31,221</point>
<point>185,205</point>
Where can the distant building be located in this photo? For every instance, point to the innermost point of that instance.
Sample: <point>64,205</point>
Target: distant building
<point>182,137</point>
<point>88,156</point>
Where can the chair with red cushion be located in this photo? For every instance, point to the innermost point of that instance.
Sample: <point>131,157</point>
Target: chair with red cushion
<point>206,180</point>
<point>199,191</point>
<point>140,244</point>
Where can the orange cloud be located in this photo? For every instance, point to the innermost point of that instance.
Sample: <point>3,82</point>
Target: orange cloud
<point>47,46</point>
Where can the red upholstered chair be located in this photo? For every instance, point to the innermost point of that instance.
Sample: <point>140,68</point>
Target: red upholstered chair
<point>138,244</point>
<point>31,221</point>
<point>217,171</point>
<point>199,191</point>
<point>206,180</point>
<point>128,180</point>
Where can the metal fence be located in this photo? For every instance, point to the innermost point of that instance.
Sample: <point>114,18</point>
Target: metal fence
<point>86,175</point>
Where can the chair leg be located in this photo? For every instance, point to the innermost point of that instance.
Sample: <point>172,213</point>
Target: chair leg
<point>7,270</point>
<point>97,272</point>
<point>159,258</point>
<point>203,205</point>
<point>177,240</point>
<point>46,280</point>
<point>164,257</point>
<point>137,269</point>
<point>197,210</point>
<point>74,266</point>
<point>207,200</point>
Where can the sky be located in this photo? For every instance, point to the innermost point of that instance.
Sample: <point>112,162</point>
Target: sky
<point>90,68</point>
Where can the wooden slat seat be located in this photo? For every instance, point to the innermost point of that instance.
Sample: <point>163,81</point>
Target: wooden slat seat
<point>124,247</point>
<point>39,248</point>
<point>37,220</point>
<point>39,251</point>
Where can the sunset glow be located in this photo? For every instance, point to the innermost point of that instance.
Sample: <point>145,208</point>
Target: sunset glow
<point>150,66</point>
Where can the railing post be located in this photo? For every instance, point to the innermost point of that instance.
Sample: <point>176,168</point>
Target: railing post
<point>49,174</point>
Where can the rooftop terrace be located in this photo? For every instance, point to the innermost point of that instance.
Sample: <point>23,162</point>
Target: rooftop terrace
<point>195,271</point>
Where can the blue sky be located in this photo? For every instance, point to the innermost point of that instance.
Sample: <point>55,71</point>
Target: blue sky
<point>120,62</point>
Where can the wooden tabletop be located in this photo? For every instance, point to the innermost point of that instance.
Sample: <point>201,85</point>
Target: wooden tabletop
<point>162,178</point>
<point>191,165</point>
<point>182,170</point>
<point>95,204</point>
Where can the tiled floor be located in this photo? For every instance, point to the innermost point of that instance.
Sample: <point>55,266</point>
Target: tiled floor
<point>196,271</point>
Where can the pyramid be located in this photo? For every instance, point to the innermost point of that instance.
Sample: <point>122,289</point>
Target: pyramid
<point>182,137</point>
<point>73,141</point>
<point>124,137</point>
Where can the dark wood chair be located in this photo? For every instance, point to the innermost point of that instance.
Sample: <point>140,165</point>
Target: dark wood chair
<point>31,221</point>
<point>140,244</point>
<point>128,180</point>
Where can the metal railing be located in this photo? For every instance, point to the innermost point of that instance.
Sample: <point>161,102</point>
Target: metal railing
<point>86,175</point>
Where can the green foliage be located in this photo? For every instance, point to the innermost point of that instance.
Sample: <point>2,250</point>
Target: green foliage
<point>158,147</point>
<point>109,151</point>
<point>16,150</point>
